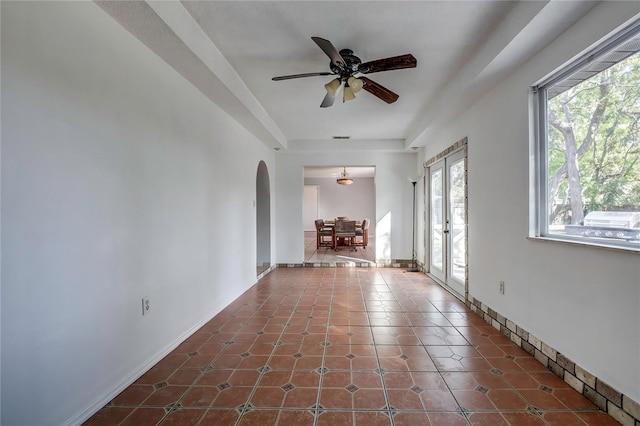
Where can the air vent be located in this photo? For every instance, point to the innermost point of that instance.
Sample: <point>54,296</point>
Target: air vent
<point>341,137</point>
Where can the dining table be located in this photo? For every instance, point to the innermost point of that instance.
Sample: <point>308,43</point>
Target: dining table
<point>342,242</point>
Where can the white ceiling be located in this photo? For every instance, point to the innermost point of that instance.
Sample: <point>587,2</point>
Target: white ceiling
<point>230,50</point>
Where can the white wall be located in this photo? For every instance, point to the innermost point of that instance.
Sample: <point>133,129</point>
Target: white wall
<point>582,301</point>
<point>310,207</point>
<point>119,181</point>
<point>393,195</point>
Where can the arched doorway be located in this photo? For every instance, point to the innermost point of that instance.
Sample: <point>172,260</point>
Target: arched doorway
<point>263,219</point>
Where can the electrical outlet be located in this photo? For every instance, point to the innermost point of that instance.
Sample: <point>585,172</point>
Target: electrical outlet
<point>145,306</point>
<point>501,287</point>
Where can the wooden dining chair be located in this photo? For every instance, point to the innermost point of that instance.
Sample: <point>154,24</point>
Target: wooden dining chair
<point>362,234</point>
<point>344,235</point>
<point>324,235</point>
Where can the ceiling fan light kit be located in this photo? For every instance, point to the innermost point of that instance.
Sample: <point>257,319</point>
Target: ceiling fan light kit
<point>352,86</point>
<point>348,69</point>
<point>355,83</point>
<point>348,94</point>
<point>333,86</point>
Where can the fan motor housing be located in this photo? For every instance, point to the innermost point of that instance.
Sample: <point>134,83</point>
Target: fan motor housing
<point>352,64</point>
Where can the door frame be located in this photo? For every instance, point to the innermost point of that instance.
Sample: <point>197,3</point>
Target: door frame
<point>262,204</point>
<point>455,149</point>
<point>436,166</point>
<point>306,206</point>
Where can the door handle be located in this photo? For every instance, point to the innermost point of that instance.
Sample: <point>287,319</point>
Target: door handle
<point>446,231</point>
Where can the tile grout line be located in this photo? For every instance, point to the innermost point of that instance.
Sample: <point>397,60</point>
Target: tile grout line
<point>438,371</point>
<point>453,395</point>
<point>245,408</point>
<point>375,346</point>
<point>324,350</point>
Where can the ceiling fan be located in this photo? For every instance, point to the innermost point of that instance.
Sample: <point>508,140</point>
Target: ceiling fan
<point>348,67</point>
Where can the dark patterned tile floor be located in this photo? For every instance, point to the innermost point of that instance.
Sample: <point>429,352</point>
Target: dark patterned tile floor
<point>348,346</point>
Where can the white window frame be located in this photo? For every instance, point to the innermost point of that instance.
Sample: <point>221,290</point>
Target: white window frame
<point>538,187</point>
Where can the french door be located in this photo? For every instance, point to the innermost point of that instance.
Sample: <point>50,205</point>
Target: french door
<point>448,222</point>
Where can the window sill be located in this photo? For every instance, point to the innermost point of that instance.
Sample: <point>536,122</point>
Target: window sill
<point>591,244</point>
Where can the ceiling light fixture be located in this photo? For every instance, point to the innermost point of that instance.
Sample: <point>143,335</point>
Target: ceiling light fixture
<point>344,179</point>
<point>333,86</point>
<point>352,86</point>
<point>348,94</point>
<point>355,84</point>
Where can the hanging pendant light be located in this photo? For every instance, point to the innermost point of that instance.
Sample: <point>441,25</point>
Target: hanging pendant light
<point>344,179</point>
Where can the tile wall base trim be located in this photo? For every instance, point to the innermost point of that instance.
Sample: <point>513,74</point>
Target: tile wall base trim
<point>619,406</point>
<point>265,272</point>
<point>380,263</point>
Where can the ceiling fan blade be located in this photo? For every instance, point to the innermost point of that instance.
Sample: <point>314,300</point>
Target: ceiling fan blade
<point>331,51</point>
<point>380,91</point>
<point>394,63</point>
<point>309,74</point>
<point>328,100</point>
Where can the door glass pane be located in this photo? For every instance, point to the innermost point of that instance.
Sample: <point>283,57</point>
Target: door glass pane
<point>437,259</point>
<point>456,217</point>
